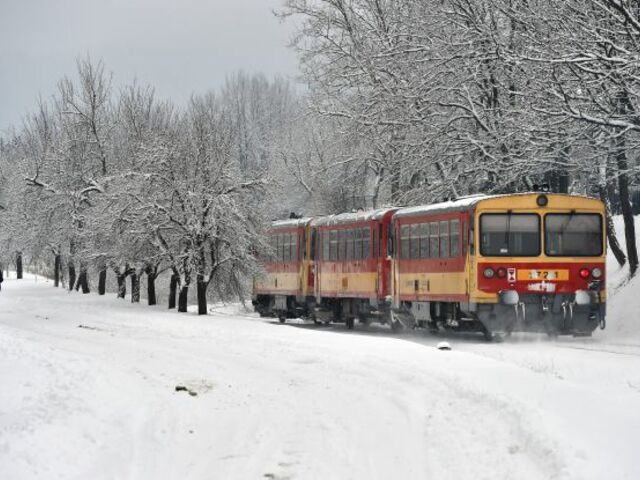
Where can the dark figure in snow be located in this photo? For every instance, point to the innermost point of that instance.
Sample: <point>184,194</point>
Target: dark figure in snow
<point>1,279</point>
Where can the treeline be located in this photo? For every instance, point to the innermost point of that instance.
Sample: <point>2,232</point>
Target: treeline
<point>404,102</point>
<point>113,180</point>
<point>448,97</point>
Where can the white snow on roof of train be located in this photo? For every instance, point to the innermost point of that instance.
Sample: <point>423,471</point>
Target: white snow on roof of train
<point>351,217</point>
<point>291,222</point>
<point>451,205</point>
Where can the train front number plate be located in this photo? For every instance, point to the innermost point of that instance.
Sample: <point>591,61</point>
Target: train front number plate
<point>548,275</point>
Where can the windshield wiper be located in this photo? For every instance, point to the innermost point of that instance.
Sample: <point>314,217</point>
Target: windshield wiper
<point>505,242</point>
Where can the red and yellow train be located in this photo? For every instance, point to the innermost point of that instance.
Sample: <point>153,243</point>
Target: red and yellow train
<point>501,263</point>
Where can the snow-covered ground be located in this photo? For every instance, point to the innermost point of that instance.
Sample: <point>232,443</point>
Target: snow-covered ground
<point>87,391</point>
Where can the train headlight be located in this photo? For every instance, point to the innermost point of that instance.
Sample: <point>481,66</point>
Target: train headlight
<point>596,273</point>
<point>584,273</point>
<point>488,272</point>
<point>501,272</point>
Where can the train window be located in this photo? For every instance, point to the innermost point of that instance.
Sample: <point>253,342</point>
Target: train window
<point>405,236</point>
<point>333,245</point>
<point>366,237</point>
<point>444,239</point>
<point>287,247</point>
<point>343,245</point>
<point>510,234</point>
<point>280,253</point>
<point>415,241</point>
<point>357,244</point>
<point>376,247</point>
<point>465,238</point>
<point>325,245</point>
<point>573,234</point>
<point>294,247</point>
<point>434,243</point>
<point>349,244</point>
<point>454,235</point>
<point>424,240</point>
<point>281,247</point>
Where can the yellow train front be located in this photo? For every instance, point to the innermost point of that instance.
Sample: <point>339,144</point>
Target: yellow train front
<point>523,262</point>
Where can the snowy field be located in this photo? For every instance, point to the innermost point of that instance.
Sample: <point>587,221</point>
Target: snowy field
<point>88,392</point>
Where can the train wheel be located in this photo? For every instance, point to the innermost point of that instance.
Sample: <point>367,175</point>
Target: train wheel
<point>551,328</point>
<point>350,323</point>
<point>397,326</point>
<point>488,335</point>
<point>282,317</point>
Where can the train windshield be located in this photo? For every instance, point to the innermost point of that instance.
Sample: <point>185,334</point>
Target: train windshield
<point>573,234</point>
<point>510,234</point>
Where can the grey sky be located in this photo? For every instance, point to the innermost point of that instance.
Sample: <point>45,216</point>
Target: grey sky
<point>179,46</point>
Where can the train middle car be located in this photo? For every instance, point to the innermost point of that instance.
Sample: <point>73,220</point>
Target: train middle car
<point>352,267</point>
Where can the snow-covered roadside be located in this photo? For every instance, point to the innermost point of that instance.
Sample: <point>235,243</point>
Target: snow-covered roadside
<point>298,401</point>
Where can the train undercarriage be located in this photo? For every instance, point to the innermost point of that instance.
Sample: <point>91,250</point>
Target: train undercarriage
<point>558,314</point>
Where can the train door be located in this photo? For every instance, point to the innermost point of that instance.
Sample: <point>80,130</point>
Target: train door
<point>379,256</point>
<point>319,258</point>
<point>469,243</point>
<point>311,252</point>
<point>393,259</point>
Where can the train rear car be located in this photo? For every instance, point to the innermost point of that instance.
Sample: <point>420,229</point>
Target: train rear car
<point>287,281</point>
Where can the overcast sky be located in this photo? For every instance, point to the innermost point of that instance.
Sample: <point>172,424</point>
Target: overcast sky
<point>179,46</point>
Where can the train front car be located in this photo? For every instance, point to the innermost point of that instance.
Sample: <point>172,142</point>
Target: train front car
<point>523,262</point>
<point>539,264</point>
<point>283,288</point>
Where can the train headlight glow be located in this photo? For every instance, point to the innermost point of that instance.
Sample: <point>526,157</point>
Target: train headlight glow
<point>488,272</point>
<point>584,273</point>
<point>596,273</point>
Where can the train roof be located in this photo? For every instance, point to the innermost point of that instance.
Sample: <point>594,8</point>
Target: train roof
<point>352,217</point>
<point>291,223</point>
<point>466,203</point>
<point>463,203</point>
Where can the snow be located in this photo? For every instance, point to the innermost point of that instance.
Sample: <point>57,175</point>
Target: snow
<point>351,217</point>
<point>88,391</point>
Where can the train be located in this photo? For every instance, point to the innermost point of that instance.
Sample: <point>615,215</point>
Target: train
<point>492,264</point>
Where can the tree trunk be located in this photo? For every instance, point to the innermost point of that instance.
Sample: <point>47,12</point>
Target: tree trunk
<point>19,265</point>
<point>72,275</point>
<point>83,281</point>
<point>173,286</point>
<point>611,230</point>
<point>151,285</point>
<point>135,287</point>
<point>182,299</point>
<point>625,204</point>
<point>102,280</point>
<point>122,285</point>
<point>56,270</point>
<point>202,295</point>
